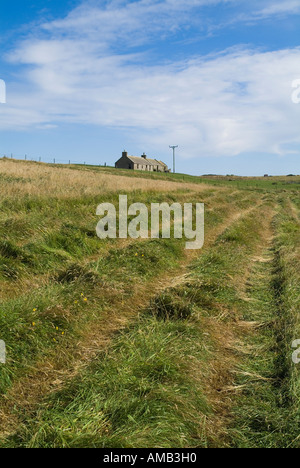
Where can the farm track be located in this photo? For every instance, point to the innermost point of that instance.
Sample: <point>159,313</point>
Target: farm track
<point>294,211</point>
<point>228,331</point>
<point>258,408</point>
<point>14,289</point>
<point>52,374</point>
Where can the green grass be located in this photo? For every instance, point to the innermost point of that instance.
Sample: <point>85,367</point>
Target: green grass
<point>263,184</point>
<point>59,303</point>
<point>133,397</point>
<point>144,392</point>
<point>51,255</point>
<point>267,412</point>
<point>150,385</point>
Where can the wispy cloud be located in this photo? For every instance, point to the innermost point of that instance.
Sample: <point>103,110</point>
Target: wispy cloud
<point>287,7</point>
<point>222,104</point>
<point>134,22</point>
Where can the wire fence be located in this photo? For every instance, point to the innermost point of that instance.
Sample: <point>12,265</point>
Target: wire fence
<point>49,159</point>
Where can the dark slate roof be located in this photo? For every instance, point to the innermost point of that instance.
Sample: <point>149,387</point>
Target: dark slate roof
<point>147,161</point>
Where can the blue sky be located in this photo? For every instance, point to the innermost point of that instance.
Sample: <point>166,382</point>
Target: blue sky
<point>87,79</point>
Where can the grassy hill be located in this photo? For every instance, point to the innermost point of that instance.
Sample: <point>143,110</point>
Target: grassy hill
<point>270,183</point>
<point>140,343</point>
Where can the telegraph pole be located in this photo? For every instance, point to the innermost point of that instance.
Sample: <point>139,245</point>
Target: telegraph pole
<point>173,148</point>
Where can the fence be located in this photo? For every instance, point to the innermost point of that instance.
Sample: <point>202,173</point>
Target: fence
<point>48,159</point>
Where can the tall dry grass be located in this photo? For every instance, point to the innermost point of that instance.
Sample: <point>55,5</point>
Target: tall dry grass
<point>18,179</point>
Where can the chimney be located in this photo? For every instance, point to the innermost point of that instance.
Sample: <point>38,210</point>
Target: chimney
<point>124,154</point>
<point>144,156</point>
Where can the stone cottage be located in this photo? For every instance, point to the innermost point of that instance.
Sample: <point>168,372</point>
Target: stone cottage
<point>142,163</point>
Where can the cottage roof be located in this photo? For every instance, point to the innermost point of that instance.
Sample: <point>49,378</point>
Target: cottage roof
<point>162,163</point>
<point>146,161</point>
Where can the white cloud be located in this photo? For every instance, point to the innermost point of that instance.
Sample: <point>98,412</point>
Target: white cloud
<point>279,8</point>
<point>133,22</point>
<point>225,104</point>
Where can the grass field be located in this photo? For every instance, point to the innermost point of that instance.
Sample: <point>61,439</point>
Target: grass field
<point>141,343</point>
